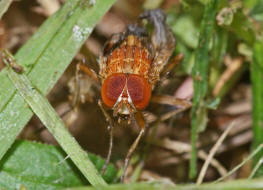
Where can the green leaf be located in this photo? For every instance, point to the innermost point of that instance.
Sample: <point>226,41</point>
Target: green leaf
<point>44,58</point>
<point>39,166</point>
<point>213,104</point>
<point>257,11</point>
<point>186,30</point>
<point>242,27</point>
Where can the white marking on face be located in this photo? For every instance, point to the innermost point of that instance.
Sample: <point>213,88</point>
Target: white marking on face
<point>119,98</point>
<point>124,109</point>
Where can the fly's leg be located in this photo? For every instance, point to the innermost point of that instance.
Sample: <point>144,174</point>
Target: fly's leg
<point>78,93</point>
<point>172,64</point>
<point>129,154</point>
<point>88,71</point>
<point>110,128</point>
<point>181,104</point>
<point>91,74</point>
<point>171,100</point>
<point>81,67</point>
<point>141,123</point>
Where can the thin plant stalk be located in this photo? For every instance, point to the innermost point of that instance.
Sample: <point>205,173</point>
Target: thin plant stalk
<point>256,70</point>
<point>200,76</point>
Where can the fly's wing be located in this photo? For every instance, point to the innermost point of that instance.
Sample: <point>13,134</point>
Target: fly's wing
<point>162,39</point>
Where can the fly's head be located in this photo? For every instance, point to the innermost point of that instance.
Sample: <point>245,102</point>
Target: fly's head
<point>125,93</point>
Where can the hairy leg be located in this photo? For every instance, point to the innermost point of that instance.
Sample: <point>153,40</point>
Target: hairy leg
<point>180,104</point>
<point>110,128</point>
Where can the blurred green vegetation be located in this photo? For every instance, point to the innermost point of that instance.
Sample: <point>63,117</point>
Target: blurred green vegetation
<point>236,28</point>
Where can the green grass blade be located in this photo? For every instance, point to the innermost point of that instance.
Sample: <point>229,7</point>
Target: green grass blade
<point>255,184</point>
<point>41,107</point>
<point>256,70</point>
<point>200,76</point>
<point>29,54</point>
<point>44,58</point>
<point>4,4</point>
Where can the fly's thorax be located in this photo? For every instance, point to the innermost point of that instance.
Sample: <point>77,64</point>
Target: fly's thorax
<point>131,56</point>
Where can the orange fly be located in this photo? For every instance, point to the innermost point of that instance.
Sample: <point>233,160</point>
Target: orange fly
<point>130,66</point>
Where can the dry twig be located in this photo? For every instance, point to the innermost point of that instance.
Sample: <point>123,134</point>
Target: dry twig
<point>212,153</point>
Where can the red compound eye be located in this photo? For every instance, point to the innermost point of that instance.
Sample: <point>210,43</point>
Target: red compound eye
<point>139,90</point>
<point>112,88</point>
